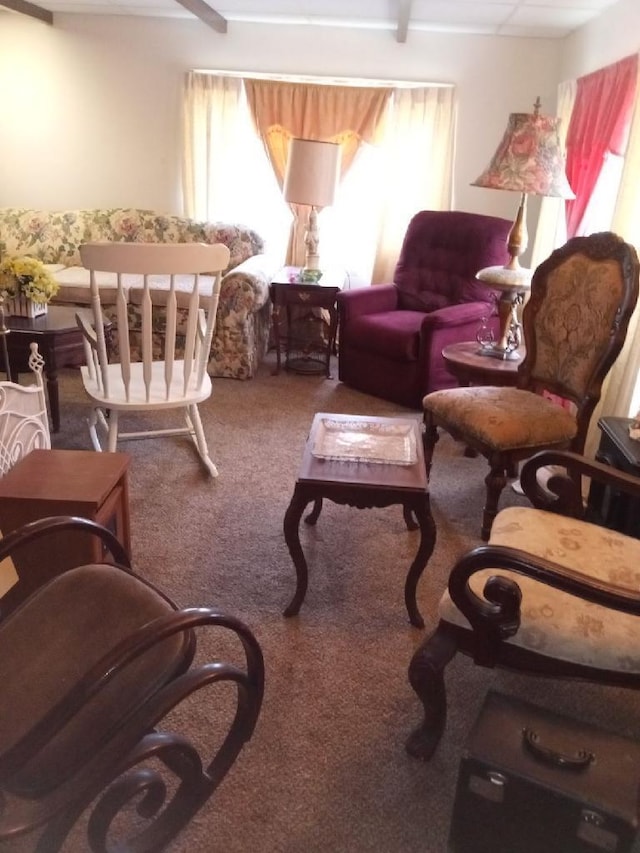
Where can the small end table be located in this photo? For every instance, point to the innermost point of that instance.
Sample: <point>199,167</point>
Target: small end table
<point>605,506</point>
<point>287,292</point>
<point>65,482</point>
<point>60,343</point>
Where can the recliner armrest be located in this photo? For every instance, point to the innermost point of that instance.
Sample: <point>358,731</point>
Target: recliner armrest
<point>456,315</point>
<point>367,300</point>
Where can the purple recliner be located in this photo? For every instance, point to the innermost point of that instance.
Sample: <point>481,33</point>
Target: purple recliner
<point>392,335</point>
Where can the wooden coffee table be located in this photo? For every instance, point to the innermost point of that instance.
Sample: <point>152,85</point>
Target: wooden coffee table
<point>363,484</point>
<point>59,341</point>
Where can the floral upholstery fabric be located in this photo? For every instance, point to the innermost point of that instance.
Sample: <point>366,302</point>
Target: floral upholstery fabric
<point>55,236</point>
<point>502,418</point>
<point>244,309</point>
<point>573,322</point>
<point>555,623</point>
<point>575,308</point>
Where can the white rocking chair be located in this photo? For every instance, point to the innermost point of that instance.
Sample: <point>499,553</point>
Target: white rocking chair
<point>24,424</point>
<point>162,278</point>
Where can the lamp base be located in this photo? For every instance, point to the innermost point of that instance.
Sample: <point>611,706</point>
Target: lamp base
<point>512,286</point>
<point>495,351</point>
<point>309,275</point>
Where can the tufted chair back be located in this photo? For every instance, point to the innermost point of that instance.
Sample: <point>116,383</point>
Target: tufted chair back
<point>440,256</point>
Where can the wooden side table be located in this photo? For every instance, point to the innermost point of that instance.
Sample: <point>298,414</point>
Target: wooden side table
<point>605,506</point>
<point>362,484</point>
<point>66,482</point>
<point>468,365</point>
<point>288,293</point>
<point>59,342</point>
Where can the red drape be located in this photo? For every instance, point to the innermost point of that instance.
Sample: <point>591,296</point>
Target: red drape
<point>600,122</point>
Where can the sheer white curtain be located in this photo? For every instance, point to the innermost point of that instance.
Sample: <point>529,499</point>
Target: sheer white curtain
<point>552,224</point>
<point>227,175</point>
<point>415,166</point>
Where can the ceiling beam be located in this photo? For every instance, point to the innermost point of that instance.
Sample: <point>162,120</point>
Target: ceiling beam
<point>206,14</point>
<point>404,13</point>
<point>30,9</point>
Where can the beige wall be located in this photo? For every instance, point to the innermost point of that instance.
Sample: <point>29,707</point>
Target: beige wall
<point>91,106</point>
<point>612,36</point>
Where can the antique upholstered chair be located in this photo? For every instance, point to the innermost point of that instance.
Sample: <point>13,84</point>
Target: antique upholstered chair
<point>392,335</point>
<point>552,594</point>
<point>92,661</point>
<point>575,323</point>
<point>171,370</point>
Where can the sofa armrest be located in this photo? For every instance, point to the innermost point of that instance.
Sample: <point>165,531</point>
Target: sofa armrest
<point>367,300</point>
<point>245,288</point>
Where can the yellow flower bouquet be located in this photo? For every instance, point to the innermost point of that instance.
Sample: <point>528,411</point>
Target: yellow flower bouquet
<point>27,277</point>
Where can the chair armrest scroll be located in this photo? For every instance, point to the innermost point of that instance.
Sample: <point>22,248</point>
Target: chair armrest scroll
<point>562,492</point>
<point>128,650</point>
<point>498,613</point>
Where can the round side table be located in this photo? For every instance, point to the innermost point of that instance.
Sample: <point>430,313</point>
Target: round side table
<point>470,367</point>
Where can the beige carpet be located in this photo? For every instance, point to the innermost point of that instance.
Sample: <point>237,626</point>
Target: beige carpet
<point>326,769</point>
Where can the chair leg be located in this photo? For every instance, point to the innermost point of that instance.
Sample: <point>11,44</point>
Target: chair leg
<point>94,419</point>
<point>496,480</point>
<point>113,431</point>
<point>195,424</point>
<point>426,676</point>
<point>429,440</point>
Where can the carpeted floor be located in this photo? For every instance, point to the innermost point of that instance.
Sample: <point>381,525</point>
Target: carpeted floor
<point>326,769</point>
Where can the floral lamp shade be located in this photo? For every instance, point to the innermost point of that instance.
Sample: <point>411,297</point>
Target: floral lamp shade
<point>529,158</point>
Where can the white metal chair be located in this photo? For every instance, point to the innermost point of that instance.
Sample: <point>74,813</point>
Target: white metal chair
<point>24,424</point>
<point>184,278</point>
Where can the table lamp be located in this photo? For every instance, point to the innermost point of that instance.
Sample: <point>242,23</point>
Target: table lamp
<point>311,178</point>
<point>529,161</point>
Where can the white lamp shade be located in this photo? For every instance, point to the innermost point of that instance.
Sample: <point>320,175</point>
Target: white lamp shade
<point>312,172</point>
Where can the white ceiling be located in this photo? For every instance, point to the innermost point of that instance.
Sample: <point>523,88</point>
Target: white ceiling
<point>525,18</point>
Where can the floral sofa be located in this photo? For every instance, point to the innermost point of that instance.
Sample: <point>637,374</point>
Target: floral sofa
<point>244,309</point>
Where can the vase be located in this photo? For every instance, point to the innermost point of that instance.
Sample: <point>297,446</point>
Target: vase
<point>20,306</point>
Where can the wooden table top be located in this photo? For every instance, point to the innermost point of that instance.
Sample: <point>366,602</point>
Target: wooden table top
<point>386,432</point>
<point>466,361</point>
<point>59,318</point>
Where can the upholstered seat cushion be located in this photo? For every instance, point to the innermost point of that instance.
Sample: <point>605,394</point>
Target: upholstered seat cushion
<point>555,623</point>
<point>55,638</point>
<point>502,418</point>
<point>390,334</point>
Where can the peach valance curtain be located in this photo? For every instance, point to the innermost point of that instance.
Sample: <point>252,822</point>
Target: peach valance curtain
<point>347,115</point>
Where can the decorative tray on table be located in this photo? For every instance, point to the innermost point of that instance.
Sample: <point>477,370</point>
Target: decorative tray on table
<point>365,441</point>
